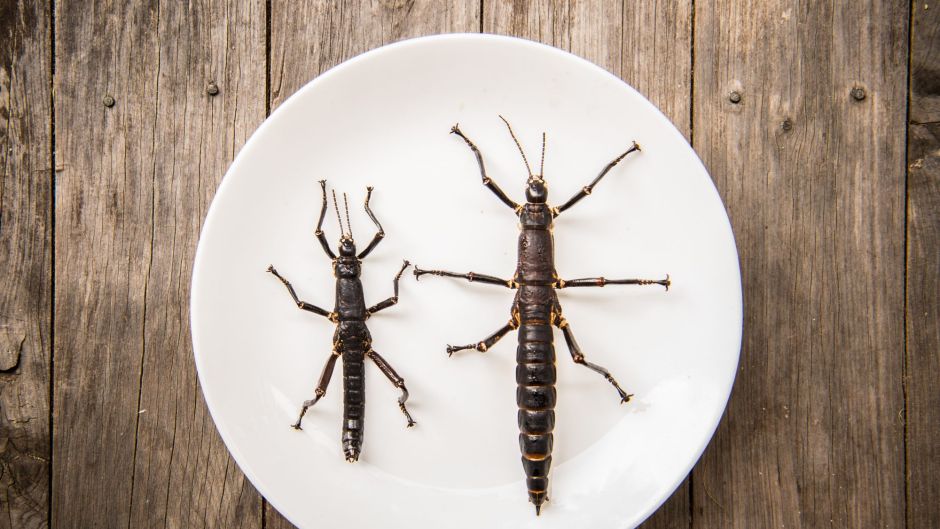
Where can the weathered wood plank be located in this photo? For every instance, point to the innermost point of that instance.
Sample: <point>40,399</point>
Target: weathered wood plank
<point>133,443</point>
<point>626,39</point>
<point>589,29</point>
<point>309,37</point>
<point>25,262</point>
<point>923,274</point>
<point>814,182</point>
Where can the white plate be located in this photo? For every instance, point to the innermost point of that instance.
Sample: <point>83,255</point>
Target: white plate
<point>383,119</point>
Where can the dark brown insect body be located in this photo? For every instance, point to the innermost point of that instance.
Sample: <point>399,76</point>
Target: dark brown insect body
<point>352,340</point>
<point>535,310</point>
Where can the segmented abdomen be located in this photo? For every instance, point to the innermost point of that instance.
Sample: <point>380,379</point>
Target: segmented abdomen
<point>354,403</point>
<point>535,395</point>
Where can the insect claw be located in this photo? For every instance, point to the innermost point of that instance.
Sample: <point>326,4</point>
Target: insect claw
<point>411,424</point>
<point>625,398</point>
<point>455,129</point>
<point>296,426</point>
<point>271,268</point>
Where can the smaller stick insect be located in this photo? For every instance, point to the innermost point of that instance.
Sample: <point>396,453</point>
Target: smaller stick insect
<point>352,340</point>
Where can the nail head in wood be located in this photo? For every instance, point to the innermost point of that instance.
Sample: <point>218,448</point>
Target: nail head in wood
<point>107,101</point>
<point>212,89</point>
<point>734,97</point>
<point>787,125</point>
<point>858,93</point>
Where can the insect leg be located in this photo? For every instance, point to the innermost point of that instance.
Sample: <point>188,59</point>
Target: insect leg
<point>578,356</point>
<point>600,281</point>
<point>490,341</point>
<point>395,379</point>
<point>378,236</point>
<point>486,179</point>
<point>471,276</point>
<point>301,304</point>
<point>392,300</point>
<point>586,190</point>
<point>325,377</point>
<point>319,233</point>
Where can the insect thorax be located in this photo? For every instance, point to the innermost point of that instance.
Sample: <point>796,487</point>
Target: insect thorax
<point>535,216</point>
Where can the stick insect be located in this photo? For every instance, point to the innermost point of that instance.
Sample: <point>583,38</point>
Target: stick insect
<point>535,310</point>
<point>352,340</point>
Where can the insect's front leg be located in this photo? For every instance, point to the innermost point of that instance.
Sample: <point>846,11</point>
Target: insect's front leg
<point>392,300</point>
<point>471,276</point>
<point>377,238</point>
<point>488,342</point>
<point>586,190</point>
<point>559,321</point>
<point>302,304</point>
<point>325,377</point>
<point>395,379</point>
<point>487,181</point>
<point>601,281</point>
<point>319,233</point>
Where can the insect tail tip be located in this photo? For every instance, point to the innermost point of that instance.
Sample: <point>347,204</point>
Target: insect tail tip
<point>538,510</point>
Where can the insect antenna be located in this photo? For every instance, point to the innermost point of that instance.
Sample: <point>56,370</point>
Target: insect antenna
<point>346,206</point>
<point>338,218</point>
<point>518,145</point>
<point>542,163</point>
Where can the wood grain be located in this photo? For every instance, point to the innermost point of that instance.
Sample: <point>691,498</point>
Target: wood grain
<point>309,37</point>
<point>133,443</point>
<point>923,273</point>
<point>26,176</point>
<point>625,39</point>
<point>814,183</point>
<point>312,36</point>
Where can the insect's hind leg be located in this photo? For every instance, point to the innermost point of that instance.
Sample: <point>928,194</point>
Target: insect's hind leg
<point>490,340</point>
<point>395,379</point>
<point>325,377</point>
<point>578,357</point>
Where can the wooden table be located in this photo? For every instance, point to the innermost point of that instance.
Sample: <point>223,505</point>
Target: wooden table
<point>820,125</point>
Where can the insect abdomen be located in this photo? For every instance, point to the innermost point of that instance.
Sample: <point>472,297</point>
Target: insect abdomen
<point>535,396</point>
<point>354,403</point>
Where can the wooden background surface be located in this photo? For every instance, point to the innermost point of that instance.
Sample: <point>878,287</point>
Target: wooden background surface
<point>829,166</point>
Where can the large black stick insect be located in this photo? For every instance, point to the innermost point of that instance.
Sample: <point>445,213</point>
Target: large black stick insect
<point>534,310</point>
<point>352,340</point>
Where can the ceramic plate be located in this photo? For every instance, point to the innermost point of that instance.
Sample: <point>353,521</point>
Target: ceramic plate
<point>383,119</point>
